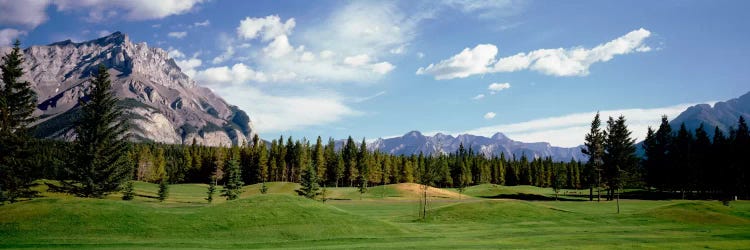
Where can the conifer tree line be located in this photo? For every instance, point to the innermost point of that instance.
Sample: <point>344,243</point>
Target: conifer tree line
<point>351,165</point>
<point>694,165</point>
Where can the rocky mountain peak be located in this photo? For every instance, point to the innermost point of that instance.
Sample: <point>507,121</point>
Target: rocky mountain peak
<point>163,103</point>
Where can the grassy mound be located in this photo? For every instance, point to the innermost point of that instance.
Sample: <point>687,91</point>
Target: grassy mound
<point>493,211</point>
<point>698,212</point>
<point>262,219</point>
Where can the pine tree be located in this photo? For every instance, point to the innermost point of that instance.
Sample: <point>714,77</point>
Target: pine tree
<point>594,148</point>
<point>739,166</point>
<point>319,160</point>
<point>211,190</point>
<point>310,186</point>
<point>619,156</point>
<point>17,103</point>
<point>681,157</point>
<point>128,192</point>
<point>662,165</point>
<point>232,177</point>
<point>100,166</point>
<point>163,189</point>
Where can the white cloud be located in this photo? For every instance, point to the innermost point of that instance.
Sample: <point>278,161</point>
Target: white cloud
<point>486,8</point>
<point>29,13</point>
<point>497,87</point>
<point>367,98</point>
<point>8,36</point>
<point>420,55</point>
<point>279,47</point>
<point>177,34</point>
<point>357,60</point>
<point>236,75</point>
<point>382,68</point>
<point>133,9</point>
<point>362,27</point>
<point>489,115</point>
<point>103,33</point>
<point>478,97</point>
<point>267,28</point>
<point>569,130</point>
<point>557,62</point>
<point>188,65</point>
<point>175,53</point>
<point>228,53</point>
<point>281,61</point>
<point>274,113</point>
<point>202,24</point>
<point>468,62</point>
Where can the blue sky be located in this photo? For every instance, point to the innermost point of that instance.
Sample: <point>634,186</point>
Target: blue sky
<point>379,68</point>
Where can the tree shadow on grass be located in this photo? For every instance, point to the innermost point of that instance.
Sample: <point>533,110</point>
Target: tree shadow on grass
<point>529,197</point>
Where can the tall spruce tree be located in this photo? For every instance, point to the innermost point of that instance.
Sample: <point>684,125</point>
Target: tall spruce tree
<point>163,189</point>
<point>232,177</point>
<point>100,164</point>
<point>619,156</point>
<point>662,165</point>
<point>594,148</point>
<point>310,186</point>
<point>17,103</point>
<point>682,158</point>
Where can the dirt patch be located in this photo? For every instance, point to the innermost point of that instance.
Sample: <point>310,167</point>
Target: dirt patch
<point>415,190</point>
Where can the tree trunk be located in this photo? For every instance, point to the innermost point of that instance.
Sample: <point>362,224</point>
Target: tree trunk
<point>591,193</point>
<point>618,202</point>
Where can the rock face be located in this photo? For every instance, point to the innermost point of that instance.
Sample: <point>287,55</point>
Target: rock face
<point>163,104</point>
<point>415,142</point>
<point>723,114</point>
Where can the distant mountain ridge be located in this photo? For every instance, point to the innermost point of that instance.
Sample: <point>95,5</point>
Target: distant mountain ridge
<point>163,104</point>
<point>415,142</point>
<point>723,114</point>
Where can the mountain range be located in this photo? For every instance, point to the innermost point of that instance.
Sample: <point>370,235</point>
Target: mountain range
<point>163,104</point>
<point>415,142</point>
<point>724,115</point>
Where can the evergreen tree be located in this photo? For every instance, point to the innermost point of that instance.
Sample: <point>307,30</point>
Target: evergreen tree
<point>349,154</point>
<point>739,166</point>
<point>619,155</point>
<point>594,148</point>
<point>232,177</point>
<point>262,163</point>
<point>100,165</point>
<point>211,189</point>
<point>681,157</point>
<point>310,187</point>
<point>662,165</point>
<point>17,103</point>
<point>163,189</point>
<point>558,178</point>
<point>699,176</point>
<point>128,192</point>
<point>319,160</point>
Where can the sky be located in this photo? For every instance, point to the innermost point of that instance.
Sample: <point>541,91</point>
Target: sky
<point>533,70</point>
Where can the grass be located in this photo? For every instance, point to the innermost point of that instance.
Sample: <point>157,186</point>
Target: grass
<point>385,217</point>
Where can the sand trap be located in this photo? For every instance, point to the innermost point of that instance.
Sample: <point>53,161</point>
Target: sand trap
<point>415,190</point>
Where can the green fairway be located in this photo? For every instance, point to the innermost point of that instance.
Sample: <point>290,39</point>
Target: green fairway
<point>385,217</point>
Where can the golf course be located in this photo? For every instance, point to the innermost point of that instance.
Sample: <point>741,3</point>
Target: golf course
<point>384,217</point>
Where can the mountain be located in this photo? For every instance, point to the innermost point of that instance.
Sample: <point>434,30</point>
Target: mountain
<point>723,114</point>
<point>415,142</point>
<point>163,104</point>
